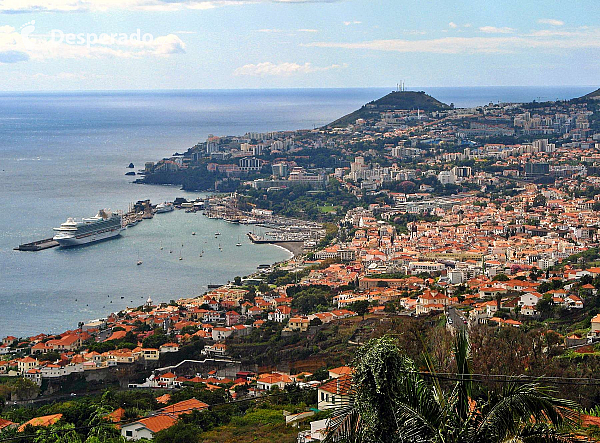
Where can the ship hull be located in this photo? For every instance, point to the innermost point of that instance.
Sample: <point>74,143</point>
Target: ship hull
<point>81,240</point>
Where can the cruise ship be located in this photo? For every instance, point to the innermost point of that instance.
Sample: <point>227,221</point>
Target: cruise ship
<point>103,226</point>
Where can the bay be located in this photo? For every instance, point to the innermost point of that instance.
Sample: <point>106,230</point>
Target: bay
<point>65,155</point>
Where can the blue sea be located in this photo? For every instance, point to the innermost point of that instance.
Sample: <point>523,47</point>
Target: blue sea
<point>65,155</point>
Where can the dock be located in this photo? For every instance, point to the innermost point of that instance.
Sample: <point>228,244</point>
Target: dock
<point>294,246</point>
<point>39,245</point>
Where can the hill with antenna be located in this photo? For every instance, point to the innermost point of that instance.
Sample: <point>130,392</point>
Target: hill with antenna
<point>394,101</point>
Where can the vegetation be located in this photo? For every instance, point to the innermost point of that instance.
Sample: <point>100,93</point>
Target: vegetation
<point>393,401</point>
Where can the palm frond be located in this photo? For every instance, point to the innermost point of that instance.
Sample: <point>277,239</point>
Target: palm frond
<point>503,416</point>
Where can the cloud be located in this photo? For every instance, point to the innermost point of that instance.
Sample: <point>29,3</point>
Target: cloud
<point>457,45</point>
<point>10,56</point>
<point>281,69</point>
<point>453,25</point>
<point>6,29</point>
<point>354,22</point>
<point>31,6</point>
<point>308,30</point>
<point>551,21</point>
<point>495,30</point>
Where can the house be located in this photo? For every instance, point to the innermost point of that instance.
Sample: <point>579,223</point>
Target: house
<point>267,381</point>
<point>232,318</point>
<point>340,371</point>
<point>220,333</point>
<point>169,347</point>
<point>147,427</point>
<point>167,379</point>
<point>25,364</point>
<point>594,333</point>
<point>431,301</point>
<point>334,392</point>
<point>45,421</point>
<point>298,324</point>
<point>281,314</point>
<point>150,354</point>
<point>9,341</point>
<point>216,349</point>
<point>41,348</point>
<point>573,301</point>
<point>528,310</point>
<point>530,299</point>
<point>68,342</point>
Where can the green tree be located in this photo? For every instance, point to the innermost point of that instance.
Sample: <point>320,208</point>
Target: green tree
<point>361,307</point>
<point>156,340</point>
<point>179,433</point>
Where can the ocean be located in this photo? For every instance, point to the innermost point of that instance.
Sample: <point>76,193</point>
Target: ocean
<point>65,155</point>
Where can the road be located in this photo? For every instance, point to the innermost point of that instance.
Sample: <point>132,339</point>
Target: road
<point>456,318</point>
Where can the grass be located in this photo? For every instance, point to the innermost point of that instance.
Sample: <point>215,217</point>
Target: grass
<point>328,209</point>
<point>258,426</point>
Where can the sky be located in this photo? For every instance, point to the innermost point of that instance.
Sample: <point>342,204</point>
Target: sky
<point>222,44</point>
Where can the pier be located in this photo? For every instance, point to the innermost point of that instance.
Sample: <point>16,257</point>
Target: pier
<point>296,247</point>
<point>39,245</point>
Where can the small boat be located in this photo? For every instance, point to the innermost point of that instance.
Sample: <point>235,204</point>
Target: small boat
<point>193,233</point>
<point>139,262</point>
<point>238,243</point>
<point>217,233</point>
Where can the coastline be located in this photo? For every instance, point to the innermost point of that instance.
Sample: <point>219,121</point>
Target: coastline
<point>294,248</point>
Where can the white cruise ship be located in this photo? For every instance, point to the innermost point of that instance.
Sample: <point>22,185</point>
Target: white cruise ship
<point>103,226</point>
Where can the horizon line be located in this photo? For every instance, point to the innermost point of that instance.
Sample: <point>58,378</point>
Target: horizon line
<point>410,89</point>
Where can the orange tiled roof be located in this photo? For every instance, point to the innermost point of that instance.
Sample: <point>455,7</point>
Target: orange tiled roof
<point>338,386</point>
<point>44,421</point>
<point>157,423</point>
<point>184,407</point>
<point>5,423</point>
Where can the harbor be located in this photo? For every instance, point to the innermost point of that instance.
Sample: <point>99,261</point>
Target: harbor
<point>294,235</point>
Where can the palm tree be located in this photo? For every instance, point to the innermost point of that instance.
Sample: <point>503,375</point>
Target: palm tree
<point>393,402</point>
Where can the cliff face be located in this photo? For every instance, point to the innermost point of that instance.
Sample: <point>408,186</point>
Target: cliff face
<point>394,101</point>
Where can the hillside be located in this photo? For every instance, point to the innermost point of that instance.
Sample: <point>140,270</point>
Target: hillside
<point>594,95</point>
<point>397,100</point>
